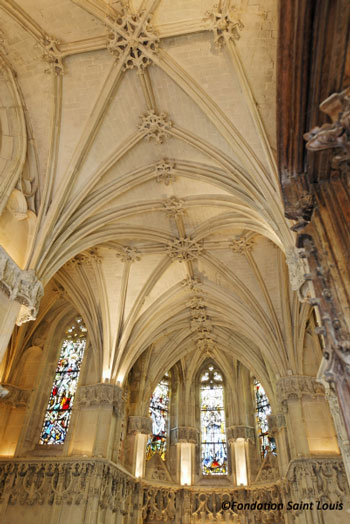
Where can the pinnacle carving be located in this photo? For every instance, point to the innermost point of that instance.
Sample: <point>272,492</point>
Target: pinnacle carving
<point>174,206</point>
<point>335,135</point>
<point>129,254</point>
<point>52,55</point>
<point>155,126</point>
<point>224,25</point>
<point>241,244</point>
<point>132,39</point>
<point>165,172</point>
<point>184,249</point>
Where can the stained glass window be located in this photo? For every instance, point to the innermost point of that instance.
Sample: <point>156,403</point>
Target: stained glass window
<point>159,412</point>
<point>213,431</point>
<point>64,386</point>
<point>263,410</point>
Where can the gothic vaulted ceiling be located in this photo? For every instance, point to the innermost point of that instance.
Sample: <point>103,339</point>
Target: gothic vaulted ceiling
<point>144,134</point>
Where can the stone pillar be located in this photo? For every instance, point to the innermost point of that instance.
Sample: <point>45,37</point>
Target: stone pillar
<point>20,295</point>
<point>12,412</point>
<point>243,453</point>
<point>99,409</point>
<point>185,438</point>
<point>301,400</point>
<point>278,429</point>
<point>138,430</point>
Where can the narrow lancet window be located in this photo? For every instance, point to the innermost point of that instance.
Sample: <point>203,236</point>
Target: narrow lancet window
<point>61,400</point>
<point>159,412</point>
<point>213,430</point>
<point>263,410</point>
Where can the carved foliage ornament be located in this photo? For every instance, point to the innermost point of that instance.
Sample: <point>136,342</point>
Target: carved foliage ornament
<point>184,249</point>
<point>22,286</point>
<point>140,425</point>
<point>223,24</point>
<point>183,434</point>
<point>174,206</point>
<point>241,244</point>
<point>335,135</point>
<point>99,395</point>
<point>295,387</point>
<point>155,126</point>
<point>52,55</point>
<point>132,36</point>
<point>129,254</point>
<point>165,172</point>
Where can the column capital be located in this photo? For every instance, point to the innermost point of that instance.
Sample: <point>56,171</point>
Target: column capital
<point>21,286</point>
<point>14,396</point>
<point>276,423</point>
<point>138,424</point>
<point>293,387</point>
<point>245,432</point>
<point>100,395</point>
<point>184,434</point>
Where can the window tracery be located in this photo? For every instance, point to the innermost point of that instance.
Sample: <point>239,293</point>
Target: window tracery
<point>159,413</point>
<point>59,409</point>
<point>212,418</point>
<point>263,410</point>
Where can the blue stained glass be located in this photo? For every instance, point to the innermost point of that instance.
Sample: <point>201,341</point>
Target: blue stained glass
<point>213,430</point>
<point>159,412</point>
<point>263,410</point>
<point>64,386</point>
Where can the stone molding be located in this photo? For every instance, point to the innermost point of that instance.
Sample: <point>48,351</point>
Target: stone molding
<point>21,286</point>
<point>100,395</point>
<point>52,55</point>
<point>14,396</point>
<point>184,434</point>
<point>235,432</point>
<point>294,387</point>
<point>137,424</point>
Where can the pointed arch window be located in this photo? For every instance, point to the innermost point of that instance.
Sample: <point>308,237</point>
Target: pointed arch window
<point>263,410</point>
<point>159,413</point>
<point>59,409</point>
<point>213,427</point>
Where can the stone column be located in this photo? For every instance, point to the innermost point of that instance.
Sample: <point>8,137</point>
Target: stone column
<point>20,295</point>
<point>242,447</point>
<point>99,409</point>
<point>138,430</point>
<point>278,429</point>
<point>301,400</point>
<point>185,438</point>
<point>12,412</point>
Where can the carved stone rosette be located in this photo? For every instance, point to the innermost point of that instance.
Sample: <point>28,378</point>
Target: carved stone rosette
<point>184,434</point>
<point>295,387</point>
<point>139,425</point>
<point>235,432</point>
<point>16,397</point>
<point>21,286</point>
<point>100,395</point>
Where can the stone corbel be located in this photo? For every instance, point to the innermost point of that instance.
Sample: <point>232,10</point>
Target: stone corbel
<point>21,286</point>
<point>184,434</point>
<point>245,432</point>
<point>141,425</point>
<point>100,395</point>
